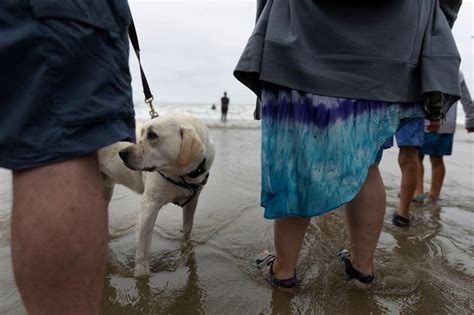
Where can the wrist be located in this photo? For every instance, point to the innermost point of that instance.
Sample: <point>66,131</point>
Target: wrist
<point>434,106</point>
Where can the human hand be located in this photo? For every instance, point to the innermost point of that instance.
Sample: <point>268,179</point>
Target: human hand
<point>434,126</point>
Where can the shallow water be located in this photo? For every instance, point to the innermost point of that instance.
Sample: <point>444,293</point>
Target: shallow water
<point>428,268</point>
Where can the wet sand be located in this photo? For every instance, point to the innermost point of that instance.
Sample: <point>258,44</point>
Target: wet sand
<point>428,268</point>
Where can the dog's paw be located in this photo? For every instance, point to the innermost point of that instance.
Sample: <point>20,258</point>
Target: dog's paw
<point>186,234</point>
<point>141,270</point>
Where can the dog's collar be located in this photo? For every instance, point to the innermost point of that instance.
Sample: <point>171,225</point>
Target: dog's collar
<point>201,169</point>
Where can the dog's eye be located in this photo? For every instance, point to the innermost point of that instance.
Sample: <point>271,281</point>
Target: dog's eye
<point>151,135</point>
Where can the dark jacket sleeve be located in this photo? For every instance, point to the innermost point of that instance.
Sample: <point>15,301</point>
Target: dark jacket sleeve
<point>467,103</point>
<point>258,106</point>
<point>439,63</point>
<point>450,9</point>
<point>260,5</point>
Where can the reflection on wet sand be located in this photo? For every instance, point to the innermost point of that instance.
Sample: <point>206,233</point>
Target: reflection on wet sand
<point>146,295</point>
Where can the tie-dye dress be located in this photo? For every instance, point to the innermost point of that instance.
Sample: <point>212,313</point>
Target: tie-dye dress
<point>316,150</point>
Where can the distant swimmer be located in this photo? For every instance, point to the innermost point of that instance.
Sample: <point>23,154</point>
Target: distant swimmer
<point>213,107</point>
<point>224,107</point>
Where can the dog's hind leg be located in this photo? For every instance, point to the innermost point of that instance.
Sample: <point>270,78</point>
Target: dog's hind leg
<point>108,191</point>
<point>188,216</point>
<point>146,222</point>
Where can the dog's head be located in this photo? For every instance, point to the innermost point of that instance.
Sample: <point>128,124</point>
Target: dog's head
<point>168,143</point>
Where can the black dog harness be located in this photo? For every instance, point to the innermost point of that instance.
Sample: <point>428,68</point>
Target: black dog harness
<point>193,188</point>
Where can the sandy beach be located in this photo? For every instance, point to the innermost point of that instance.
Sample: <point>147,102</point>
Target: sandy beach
<point>428,268</point>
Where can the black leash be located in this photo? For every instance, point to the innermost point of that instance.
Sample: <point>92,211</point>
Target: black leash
<point>132,32</point>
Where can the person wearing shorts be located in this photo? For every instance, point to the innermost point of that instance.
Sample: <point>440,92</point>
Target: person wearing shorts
<point>438,145</point>
<point>66,93</point>
<point>410,139</point>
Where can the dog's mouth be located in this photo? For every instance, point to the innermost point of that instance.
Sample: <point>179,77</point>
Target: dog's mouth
<point>145,169</point>
<point>129,166</point>
<point>149,169</point>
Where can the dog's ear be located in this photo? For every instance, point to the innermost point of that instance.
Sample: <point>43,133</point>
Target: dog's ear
<point>191,147</point>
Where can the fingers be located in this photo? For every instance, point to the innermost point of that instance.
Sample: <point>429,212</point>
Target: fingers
<point>434,126</point>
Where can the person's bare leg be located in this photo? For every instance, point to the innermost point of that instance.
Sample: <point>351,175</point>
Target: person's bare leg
<point>59,235</point>
<point>365,216</point>
<point>289,235</point>
<point>437,176</point>
<point>420,178</point>
<point>408,161</point>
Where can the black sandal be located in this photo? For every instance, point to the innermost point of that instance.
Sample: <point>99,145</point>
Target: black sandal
<point>267,262</point>
<point>352,273</point>
<point>400,221</point>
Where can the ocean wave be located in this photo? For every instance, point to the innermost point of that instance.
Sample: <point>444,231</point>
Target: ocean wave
<point>236,124</point>
<point>239,116</point>
<point>237,112</point>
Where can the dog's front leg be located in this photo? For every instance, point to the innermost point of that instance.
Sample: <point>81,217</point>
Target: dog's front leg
<point>146,222</point>
<point>188,216</point>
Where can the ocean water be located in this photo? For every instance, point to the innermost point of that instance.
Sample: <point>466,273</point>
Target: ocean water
<point>203,111</point>
<point>239,115</point>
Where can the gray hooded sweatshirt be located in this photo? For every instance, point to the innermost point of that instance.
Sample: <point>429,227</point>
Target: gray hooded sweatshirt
<point>391,50</point>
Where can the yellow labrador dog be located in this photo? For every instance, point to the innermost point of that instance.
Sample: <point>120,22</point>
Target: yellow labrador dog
<point>170,163</point>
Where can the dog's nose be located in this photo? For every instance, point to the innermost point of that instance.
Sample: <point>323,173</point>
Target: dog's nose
<point>123,154</point>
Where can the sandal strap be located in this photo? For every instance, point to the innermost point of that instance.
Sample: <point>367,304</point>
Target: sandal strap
<point>403,219</point>
<point>287,283</point>
<point>283,283</point>
<point>268,261</point>
<point>351,271</point>
<point>398,220</point>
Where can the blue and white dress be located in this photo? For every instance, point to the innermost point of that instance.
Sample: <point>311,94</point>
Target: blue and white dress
<point>316,150</point>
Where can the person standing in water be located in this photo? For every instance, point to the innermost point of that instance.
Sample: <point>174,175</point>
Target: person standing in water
<point>328,106</point>
<point>439,145</point>
<point>66,92</point>
<point>224,107</point>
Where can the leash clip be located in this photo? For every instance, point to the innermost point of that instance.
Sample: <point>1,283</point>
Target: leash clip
<point>153,113</point>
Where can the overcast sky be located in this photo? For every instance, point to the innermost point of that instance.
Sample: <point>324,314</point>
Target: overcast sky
<point>190,47</point>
